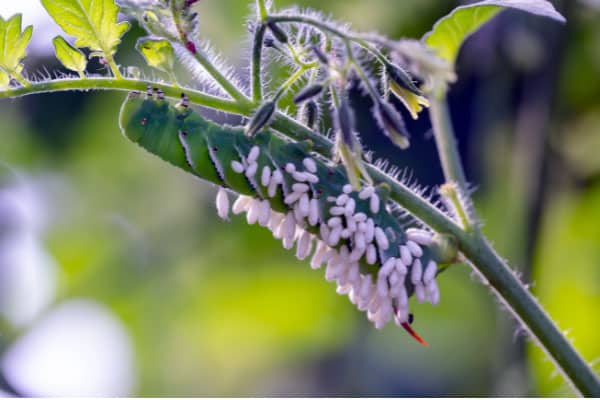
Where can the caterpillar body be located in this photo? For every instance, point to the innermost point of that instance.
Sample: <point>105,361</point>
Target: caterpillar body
<point>304,199</point>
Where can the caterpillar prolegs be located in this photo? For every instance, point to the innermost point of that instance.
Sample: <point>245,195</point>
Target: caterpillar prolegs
<point>303,199</point>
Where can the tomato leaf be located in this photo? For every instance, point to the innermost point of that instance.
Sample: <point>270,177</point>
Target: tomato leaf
<point>71,57</point>
<point>158,53</point>
<point>13,46</point>
<point>93,24</point>
<point>451,31</point>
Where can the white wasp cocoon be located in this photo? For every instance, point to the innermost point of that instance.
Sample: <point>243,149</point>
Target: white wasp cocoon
<point>300,187</point>
<point>265,213</point>
<point>290,168</point>
<point>419,236</point>
<point>313,212</point>
<point>366,193</point>
<point>222,204</point>
<point>241,204</point>
<point>371,254</point>
<point>265,177</point>
<point>420,294</point>
<point>374,203</point>
<point>405,255</point>
<point>416,273</point>
<point>253,155</point>
<point>237,166</point>
<point>251,171</point>
<point>381,239</point>
<point>414,248</point>
<point>310,165</point>
<point>430,272</point>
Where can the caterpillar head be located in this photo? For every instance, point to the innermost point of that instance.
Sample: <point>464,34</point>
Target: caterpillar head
<point>154,125</point>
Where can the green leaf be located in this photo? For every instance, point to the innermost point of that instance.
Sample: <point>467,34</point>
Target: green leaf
<point>450,32</point>
<point>158,53</point>
<point>93,23</point>
<point>71,57</point>
<point>4,80</point>
<point>13,46</point>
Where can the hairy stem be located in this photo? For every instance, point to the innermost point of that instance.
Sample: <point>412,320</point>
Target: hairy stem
<point>208,66</point>
<point>221,79</point>
<point>126,85</point>
<point>262,9</point>
<point>446,142</point>
<point>113,66</point>
<point>324,26</point>
<point>500,276</point>
<point>255,77</point>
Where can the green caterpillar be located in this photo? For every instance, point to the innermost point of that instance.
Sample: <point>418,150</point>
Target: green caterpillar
<point>302,198</point>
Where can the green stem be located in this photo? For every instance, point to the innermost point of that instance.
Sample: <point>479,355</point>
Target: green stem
<point>256,83</point>
<point>208,66</point>
<point>221,79</point>
<point>113,66</point>
<point>262,9</point>
<point>19,78</point>
<point>126,85</point>
<point>360,40</point>
<point>501,278</point>
<point>290,81</point>
<point>446,143</point>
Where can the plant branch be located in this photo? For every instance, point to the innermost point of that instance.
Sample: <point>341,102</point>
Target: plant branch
<point>262,9</point>
<point>126,85</point>
<point>446,142</point>
<point>255,77</point>
<point>208,66</point>
<point>499,275</point>
<point>324,26</point>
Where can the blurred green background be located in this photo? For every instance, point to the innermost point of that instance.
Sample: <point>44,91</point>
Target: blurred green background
<point>212,308</point>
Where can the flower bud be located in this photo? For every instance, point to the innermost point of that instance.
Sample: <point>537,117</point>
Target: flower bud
<point>261,118</point>
<point>320,54</point>
<point>309,92</point>
<point>392,124</point>
<point>399,76</point>
<point>310,114</point>
<point>403,87</point>
<point>345,122</point>
<point>279,33</point>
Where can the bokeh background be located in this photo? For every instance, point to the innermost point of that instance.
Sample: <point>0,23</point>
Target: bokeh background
<point>116,278</point>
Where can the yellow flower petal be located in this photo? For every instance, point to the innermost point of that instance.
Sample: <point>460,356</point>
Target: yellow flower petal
<point>414,103</point>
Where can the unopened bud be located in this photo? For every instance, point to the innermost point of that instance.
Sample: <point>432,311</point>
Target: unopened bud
<point>308,93</point>
<point>403,87</point>
<point>320,54</point>
<point>310,114</point>
<point>279,33</point>
<point>345,122</point>
<point>261,118</point>
<point>402,78</point>
<point>392,124</point>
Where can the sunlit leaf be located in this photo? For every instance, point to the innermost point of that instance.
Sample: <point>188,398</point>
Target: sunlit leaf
<point>450,32</point>
<point>158,53</point>
<point>72,58</point>
<point>93,23</point>
<point>4,80</point>
<point>13,45</point>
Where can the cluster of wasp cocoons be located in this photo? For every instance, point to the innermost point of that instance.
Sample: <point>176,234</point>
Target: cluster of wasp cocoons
<point>341,242</point>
